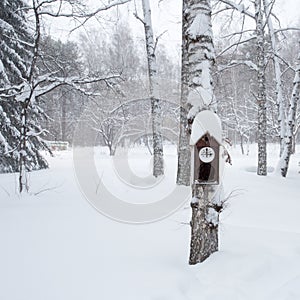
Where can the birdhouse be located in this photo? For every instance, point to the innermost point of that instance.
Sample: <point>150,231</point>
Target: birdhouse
<point>205,145</point>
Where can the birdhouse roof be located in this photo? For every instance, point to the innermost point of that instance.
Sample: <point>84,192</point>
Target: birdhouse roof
<point>205,122</point>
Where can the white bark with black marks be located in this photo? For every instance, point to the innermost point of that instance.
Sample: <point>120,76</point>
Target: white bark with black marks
<point>204,228</point>
<point>201,58</point>
<point>158,161</point>
<point>261,93</point>
<point>278,73</point>
<point>184,154</point>
<point>291,121</point>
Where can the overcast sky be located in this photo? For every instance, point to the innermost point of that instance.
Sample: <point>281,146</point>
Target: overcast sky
<point>289,11</point>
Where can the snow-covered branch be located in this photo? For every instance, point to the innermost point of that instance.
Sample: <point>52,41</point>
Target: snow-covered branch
<point>80,13</point>
<point>235,63</point>
<point>239,7</point>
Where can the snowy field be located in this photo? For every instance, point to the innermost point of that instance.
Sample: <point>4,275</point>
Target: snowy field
<point>56,246</point>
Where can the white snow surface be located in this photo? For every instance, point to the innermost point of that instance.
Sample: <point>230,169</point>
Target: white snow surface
<point>202,95</point>
<point>55,246</point>
<point>200,26</point>
<point>206,121</point>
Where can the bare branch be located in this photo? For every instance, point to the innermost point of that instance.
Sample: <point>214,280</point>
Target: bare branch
<point>139,18</point>
<point>235,44</point>
<point>236,33</point>
<point>286,29</point>
<point>156,41</point>
<point>83,14</point>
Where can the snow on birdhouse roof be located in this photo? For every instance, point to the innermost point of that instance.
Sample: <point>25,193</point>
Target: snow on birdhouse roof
<point>205,122</point>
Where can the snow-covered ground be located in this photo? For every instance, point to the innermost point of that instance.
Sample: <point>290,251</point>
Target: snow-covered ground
<point>56,246</point>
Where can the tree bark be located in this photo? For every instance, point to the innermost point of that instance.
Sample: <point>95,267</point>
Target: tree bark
<point>184,154</point>
<point>201,58</point>
<point>261,95</point>
<point>242,144</point>
<point>278,73</point>
<point>158,162</point>
<point>23,182</point>
<point>204,237</point>
<point>63,118</point>
<point>291,121</point>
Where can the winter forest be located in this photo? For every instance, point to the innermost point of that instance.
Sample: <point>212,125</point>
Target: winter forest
<point>152,146</point>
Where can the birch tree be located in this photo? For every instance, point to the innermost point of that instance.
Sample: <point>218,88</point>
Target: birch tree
<point>278,73</point>
<point>291,122</point>
<point>158,162</point>
<point>206,201</point>
<point>261,92</point>
<point>264,17</point>
<point>184,155</point>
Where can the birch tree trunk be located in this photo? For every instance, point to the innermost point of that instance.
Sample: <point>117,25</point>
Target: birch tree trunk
<point>184,154</point>
<point>261,95</point>
<point>201,58</point>
<point>158,162</point>
<point>204,232</point>
<point>277,68</point>
<point>291,121</point>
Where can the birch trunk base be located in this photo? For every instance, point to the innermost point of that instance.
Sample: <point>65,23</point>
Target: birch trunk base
<point>204,236</point>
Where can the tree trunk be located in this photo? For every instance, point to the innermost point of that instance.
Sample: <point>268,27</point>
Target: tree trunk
<point>201,58</point>
<point>294,144</point>
<point>111,150</point>
<point>242,144</point>
<point>63,119</point>
<point>204,235</point>
<point>295,136</point>
<point>23,182</point>
<point>184,154</point>
<point>261,96</point>
<point>158,162</point>
<point>277,68</point>
<point>291,121</point>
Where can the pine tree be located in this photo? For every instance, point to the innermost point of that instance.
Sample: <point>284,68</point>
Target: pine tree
<point>16,50</point>
<point>15,44</point>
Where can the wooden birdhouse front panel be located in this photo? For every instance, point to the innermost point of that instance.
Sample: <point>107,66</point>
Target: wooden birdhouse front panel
<point>206,160</point>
